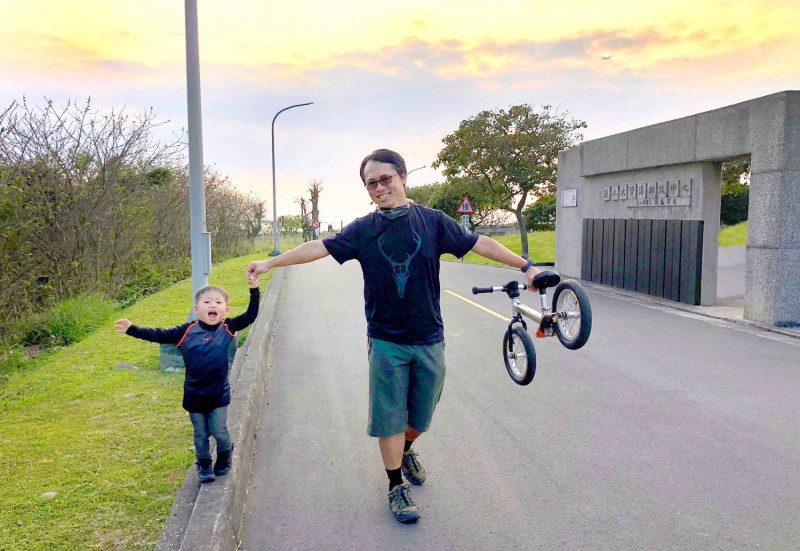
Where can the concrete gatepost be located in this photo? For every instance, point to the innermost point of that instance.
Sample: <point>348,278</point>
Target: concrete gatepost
<point>772,277</point>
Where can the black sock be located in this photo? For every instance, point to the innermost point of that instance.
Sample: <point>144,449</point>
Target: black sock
<point>408,445</point>
<point>395,477</point>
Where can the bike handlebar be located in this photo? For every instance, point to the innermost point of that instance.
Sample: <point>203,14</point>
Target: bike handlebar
<point>501,288</point>
<point>476,290</point>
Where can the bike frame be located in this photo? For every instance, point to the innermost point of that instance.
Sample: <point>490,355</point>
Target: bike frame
<point>519,308</point>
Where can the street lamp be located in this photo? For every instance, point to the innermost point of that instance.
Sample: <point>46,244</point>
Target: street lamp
<point>276,249</point>
<point>418,168</point>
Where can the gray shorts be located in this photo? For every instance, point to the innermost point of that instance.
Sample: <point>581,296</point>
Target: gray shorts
<point>405,384</point>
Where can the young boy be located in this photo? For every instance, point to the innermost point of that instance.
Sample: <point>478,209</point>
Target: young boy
<point>204,344</point>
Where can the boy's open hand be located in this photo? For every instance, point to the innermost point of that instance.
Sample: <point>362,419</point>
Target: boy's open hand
<point>123,325</point>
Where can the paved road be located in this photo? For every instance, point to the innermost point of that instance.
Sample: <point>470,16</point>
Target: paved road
<point>667,431</point>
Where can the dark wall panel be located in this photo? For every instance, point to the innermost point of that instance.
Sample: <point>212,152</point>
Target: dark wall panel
<point>608,252</point>
<point>597,250</point>
<point>659,257</point>
<point>673,258</point>
<point>619,253</point>
<point>643,268</point>
<point>631,239</point>
<point>586,250</point>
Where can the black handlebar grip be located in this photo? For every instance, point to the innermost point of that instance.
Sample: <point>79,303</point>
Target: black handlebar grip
<point>476,290</point>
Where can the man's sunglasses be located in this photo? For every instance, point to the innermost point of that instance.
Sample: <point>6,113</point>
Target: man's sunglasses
<point>383,180</point>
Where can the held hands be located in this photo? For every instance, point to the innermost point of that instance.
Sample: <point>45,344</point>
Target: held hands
<point>123,325</point>
<point>255,269</point>
<point>253,282</point>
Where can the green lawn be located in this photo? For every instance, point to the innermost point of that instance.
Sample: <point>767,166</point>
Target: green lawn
<point>733,235</point>
<point>113,444</point>
<point>541,247</point>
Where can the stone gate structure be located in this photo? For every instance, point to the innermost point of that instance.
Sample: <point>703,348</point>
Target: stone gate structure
<point>640,210</point>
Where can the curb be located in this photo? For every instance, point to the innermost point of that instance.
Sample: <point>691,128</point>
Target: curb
<point>209,516</point>
<point>705,311</point>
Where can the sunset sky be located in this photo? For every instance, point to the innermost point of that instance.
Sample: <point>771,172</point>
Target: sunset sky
<point>400,77</point>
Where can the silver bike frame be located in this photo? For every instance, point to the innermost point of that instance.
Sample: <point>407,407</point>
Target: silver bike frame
<point>518,308</point>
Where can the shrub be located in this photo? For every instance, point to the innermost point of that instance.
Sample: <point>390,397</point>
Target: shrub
<point>66,323</point>
<point>541,215</point>
<point>734,207</point>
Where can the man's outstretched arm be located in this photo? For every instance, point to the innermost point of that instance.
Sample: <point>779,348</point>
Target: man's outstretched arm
<point>491,249</point>
<point>307,252</point>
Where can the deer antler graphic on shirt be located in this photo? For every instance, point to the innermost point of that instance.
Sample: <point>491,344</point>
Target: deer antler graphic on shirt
<point>400,269</point>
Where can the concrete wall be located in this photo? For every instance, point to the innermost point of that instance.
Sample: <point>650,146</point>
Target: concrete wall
<point>765,129</point>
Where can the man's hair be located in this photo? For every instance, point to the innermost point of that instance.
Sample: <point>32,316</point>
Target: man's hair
<point>208,289</point>
<point>385,156</point>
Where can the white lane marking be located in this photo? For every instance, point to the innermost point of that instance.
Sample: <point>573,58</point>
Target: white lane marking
<point>476,305</point>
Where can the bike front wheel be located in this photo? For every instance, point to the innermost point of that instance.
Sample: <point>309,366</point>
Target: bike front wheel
<point>571,304</point>
<point>519,355</point>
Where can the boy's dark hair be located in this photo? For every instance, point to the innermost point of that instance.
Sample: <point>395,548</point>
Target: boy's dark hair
<point>385,156</point>
<point>208,288</point>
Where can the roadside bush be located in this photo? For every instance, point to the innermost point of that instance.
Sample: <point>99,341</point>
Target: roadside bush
<point>11,359</point>
<point>734,207</point>
<point>541,215</point>
<point>66,323</point>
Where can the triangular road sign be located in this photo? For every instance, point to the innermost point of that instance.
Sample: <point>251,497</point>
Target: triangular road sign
<point>465,207</point>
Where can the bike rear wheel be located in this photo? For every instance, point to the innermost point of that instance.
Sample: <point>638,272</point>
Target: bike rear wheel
<point>571,303</point>
<point>519,355</point>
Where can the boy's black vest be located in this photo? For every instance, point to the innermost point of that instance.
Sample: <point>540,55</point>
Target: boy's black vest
<point>205,354</point>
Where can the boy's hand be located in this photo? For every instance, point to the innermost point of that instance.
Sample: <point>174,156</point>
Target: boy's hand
<point>123,325</point>
<point>253,281</point>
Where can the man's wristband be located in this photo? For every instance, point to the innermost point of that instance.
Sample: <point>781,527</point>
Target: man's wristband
<point>528,265</point>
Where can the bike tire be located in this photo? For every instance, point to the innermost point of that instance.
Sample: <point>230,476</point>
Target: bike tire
<point>520,360</point>
<point>571,297</point>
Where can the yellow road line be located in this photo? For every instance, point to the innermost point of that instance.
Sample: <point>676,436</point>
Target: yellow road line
<point>476,305</point>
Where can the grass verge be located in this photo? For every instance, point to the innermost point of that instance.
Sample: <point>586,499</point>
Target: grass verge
<point>113,444</point>
<point>733,235</point>
<point>541,247</point>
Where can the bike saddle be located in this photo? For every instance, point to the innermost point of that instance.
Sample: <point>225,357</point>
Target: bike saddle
<point>545,279</point>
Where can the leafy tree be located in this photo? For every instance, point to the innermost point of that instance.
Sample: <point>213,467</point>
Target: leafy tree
<point>735,177</point>
<point>447,197</point>
<point>511,155</point>
<point>735,202</point>
<point>291,224</point>
<point>541,215</point>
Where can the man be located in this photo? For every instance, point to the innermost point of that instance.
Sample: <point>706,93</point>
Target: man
<point>398,247</point>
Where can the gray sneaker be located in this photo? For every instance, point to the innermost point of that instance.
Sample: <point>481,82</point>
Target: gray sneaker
<point>414,472</point>
<point>403,507</point>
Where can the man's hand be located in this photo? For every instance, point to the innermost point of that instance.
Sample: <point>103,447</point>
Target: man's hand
<point>529,275</point>
<point>255,269</point>
<point>123,325</point>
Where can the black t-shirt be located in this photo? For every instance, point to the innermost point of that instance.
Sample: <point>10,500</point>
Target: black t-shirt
<point>400,261</point>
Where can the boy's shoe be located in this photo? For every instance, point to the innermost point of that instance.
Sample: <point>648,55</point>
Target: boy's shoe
<point>204,472</point>
<point>223,464</point>
<point>414,472</point>
<point>402,507</point>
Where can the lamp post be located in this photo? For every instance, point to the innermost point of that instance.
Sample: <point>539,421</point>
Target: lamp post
<point>418,168</point>
<point>200,241</point>
<point>276,241</point>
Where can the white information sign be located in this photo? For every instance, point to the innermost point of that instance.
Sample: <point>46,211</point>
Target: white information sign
<point>569,198</point>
